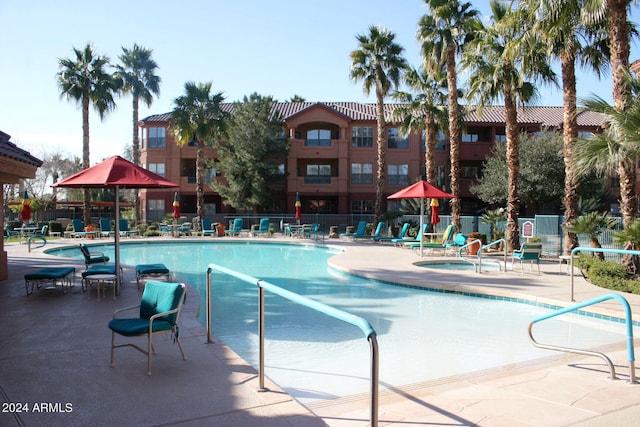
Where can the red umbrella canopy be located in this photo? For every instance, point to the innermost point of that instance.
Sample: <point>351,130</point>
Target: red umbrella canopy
<point>25,213</point>
<point>435,218</point>
<point>115,171</point>
<point>176,206</point>
<point>298,207</point>
<point>421,190</point>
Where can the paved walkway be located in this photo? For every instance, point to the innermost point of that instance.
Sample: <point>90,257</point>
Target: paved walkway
<point>55,359</point>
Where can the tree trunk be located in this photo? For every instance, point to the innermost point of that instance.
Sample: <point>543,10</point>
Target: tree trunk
<point>86,159</point>
<point>455,136</point>
<point>570,136</point>
<point>136,153</point>
<point>512,235</point>
<point>382,152</point>
<point>200,180</point>
<point>430,149</point>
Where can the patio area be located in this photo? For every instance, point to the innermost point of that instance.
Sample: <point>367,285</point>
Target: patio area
<point>55,359</point>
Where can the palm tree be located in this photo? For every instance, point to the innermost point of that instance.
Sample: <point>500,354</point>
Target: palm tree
<point>502,64</point>
<point>593,225</point>
<point>443,33</point>
<point>570,36</point>
<point>137,72</point>
<point>198,115</point>
<point>423,110</point>
<point>86,81</point>
<point>378,62</point>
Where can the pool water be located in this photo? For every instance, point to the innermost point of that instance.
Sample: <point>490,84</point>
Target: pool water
<point>422,335</point>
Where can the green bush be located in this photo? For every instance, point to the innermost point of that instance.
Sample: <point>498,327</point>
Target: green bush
<point>608,275</point>
<point>55,227</point>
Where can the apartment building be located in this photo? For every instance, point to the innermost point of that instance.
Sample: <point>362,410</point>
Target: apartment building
<point>332,162</point>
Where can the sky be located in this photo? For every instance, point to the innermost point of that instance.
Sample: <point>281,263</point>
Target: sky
<point>277,48</point>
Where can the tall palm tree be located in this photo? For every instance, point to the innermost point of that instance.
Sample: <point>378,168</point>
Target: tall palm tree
<point>503,65</point>
<point>571,37</point>
<point>137,72</point>
<point>423,109</point>
<point>378,62</point>
<point>443,33</point>
<point>620,30</point>
<point>198,115</point>
<point>85,80</point>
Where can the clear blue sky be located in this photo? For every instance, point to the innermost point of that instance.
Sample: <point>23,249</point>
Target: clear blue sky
<point>279,48</point>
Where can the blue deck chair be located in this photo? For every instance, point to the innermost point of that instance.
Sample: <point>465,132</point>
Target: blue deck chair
<point>376,235</point>
<point>185,228</point>
<point>263,228</point>
<point>105,228</point>
<point>78,228</point>
<point>91,257</point>
<point>151,272</point>
<point>236,229</point>
<point>206,228</point>
<point>316,232</point>
<point>447,238</point>
<point>362,227</point>
<point>528,252</point>
<point>403,232</point>
<point>159,311</point>
<point>400,241</point>
<point>124,228</point>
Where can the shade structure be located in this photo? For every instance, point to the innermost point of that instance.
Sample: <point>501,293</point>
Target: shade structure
<point>25,212</point>
<point>116,173</point>
<point>176,206</point>
<point>298,208</point>
<point>421,190</point>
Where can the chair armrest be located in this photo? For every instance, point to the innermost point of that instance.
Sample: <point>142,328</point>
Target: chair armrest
<point>124,309</point>
<point>163,314</point>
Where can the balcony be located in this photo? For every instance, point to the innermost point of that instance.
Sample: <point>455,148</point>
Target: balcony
<point>317,179</point>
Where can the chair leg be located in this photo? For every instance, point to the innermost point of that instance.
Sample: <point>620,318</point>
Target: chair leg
<point>149,354</point>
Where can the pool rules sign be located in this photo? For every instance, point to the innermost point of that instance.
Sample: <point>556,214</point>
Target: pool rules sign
<point>527,229</point>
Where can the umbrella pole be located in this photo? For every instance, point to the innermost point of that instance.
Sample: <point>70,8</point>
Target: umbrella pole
<point>421,225</point>
<point>117,238</point>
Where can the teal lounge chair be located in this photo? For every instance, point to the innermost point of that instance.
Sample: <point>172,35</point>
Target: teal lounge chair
<point>78,228</point>
<point>151,272</point>
<point>447,239</point>
<point>528,252</point>
<point>375,236</point>
<point>124,229</point>
<point>159,311</point>
<point>400,241</point>
<point>316,232</point>
<point>185,228</point>
<point>236,229</point>
<point>90,257</point>
<point>403,232</point>
<point>362,227</point>
<point>206,228</point>
<point>263,228</point>
<point>105,228</point>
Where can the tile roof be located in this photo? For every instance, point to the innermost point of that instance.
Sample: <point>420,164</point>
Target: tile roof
<point>10,150</point>
<point>357,111</point>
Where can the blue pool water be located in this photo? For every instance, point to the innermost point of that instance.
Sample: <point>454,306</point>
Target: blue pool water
<point>422,335</point>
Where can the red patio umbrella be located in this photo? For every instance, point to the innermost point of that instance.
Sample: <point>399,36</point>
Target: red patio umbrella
<point>435,218</point>
<point>421,190</point>
<point>25,213</point>
<point>116,172</point>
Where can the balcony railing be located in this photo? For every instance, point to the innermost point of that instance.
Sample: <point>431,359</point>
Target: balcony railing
<point>317,179</point>
<point>317,142</point>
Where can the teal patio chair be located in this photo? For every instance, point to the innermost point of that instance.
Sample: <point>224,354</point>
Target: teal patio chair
<point>105,228</point>
<point>528,252</point>
<point>78,228</point>
<point>124,228</point>
<point>160,308</point>
<point>207,228</point>
<point>401,235</point>
<point>236,228</point>
<point>91,257</point>
<point>263,228</point>
<point>360,230</point>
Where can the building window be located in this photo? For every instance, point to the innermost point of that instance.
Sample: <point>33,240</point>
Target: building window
<point>361,173</point>
<point>362,136</point>
<point>362,206</point>
<point>318,138</point>
<point>157,138</point>
<point>157,168</point>
<point>441,140</point>
<point>394,141</point>
<point>470,137</point>
<point>398,174</point>
<point>318,174</point>
<point>501,138</point>
<point>585,134</point>
<point>471,172</point>
<point>156,206</point>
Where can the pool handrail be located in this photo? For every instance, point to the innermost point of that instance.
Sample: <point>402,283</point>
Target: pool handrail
<point>482,247</point>
<point>362,324</point>
<point>601,250</point>
<point>576,307</point>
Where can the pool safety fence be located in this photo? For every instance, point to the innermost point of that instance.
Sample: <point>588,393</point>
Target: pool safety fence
<point>362,324</point>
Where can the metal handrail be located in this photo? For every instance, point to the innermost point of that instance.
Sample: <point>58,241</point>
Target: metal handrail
<point>482,247</point>
<point>365,327</point>
<point>602,250</point>
<point>629,331</point>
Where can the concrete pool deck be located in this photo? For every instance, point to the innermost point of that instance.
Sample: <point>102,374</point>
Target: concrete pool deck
<point>55,356</point>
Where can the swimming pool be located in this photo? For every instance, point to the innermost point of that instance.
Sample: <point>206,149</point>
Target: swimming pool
<point>458,265</point>
<point>422,335</point>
